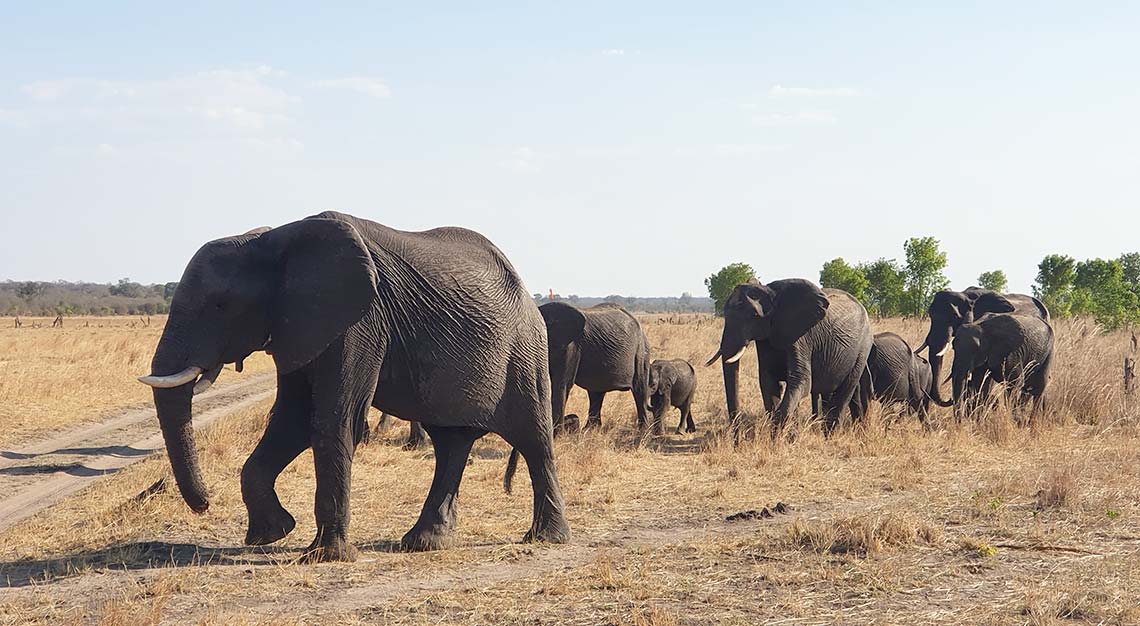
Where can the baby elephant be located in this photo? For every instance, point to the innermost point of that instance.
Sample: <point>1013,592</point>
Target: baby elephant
<point>899,375</point>
<point>672,383</point>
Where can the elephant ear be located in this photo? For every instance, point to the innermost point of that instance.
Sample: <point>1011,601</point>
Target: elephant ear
<point>564,323</point>
<point>327,281</point>
<point>799,305</point>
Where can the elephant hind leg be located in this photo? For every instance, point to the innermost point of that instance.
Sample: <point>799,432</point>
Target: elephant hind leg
<point>548,522</point>
<point>437,519</point>
<point>417,436</point>
<point>594,418</point>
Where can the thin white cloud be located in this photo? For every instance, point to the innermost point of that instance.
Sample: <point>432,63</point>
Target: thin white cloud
<point>235,99</point>
<point>368,86</point>
<point>726,150</point>
<point>781,90</point>
<point>614,52</point>
<point>523,159</point>
<point>799,118</point>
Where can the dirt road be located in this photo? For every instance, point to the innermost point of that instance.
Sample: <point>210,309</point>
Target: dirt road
<point>41,474</point>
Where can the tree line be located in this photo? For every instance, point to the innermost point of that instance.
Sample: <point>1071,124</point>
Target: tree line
<point>78,298</point>
<point>1107,290</point>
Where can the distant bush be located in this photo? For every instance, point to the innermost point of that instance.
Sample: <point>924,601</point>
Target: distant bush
<point>67,298</point>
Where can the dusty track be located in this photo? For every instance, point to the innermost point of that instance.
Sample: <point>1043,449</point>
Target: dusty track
<point>41,474</point>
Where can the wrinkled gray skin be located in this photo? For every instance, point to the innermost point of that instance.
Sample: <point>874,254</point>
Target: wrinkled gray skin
<point>672,383</point>
<point>899,375</point>
<point>808,341</point>
<point>950,309</point>
<point>434,324</point>
<point>1001,348</point>
<point>600,349</point>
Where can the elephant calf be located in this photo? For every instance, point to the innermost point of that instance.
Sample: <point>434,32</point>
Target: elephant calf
<point>672,383</point>
<point>899,375</point>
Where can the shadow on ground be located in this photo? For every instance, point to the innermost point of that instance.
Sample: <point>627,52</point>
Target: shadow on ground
<point>137,556</point>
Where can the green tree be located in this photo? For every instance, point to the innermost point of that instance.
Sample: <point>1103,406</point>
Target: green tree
<point>1054,285</point>
<point>924,264</point>
<point>721,284</point>
<point>1130,266</point>
<point>837,274</point>
<point>1099,290</point>
<point>886,287</point>
<point>994,280</point>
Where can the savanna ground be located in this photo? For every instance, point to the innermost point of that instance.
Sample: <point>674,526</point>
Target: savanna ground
<point>982,522</point>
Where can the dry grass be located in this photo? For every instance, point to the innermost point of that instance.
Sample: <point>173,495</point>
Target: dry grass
<point>52,378</point>
<point>981,522</point>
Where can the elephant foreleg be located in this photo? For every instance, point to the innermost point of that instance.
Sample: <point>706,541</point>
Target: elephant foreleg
<point>286,436</point>
<point>437,519</point>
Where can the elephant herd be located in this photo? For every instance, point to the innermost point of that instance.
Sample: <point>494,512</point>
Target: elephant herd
<point>438,326</point>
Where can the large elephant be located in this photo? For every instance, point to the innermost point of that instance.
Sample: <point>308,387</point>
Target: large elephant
<point>899,376</point>
<point>808,340</point>
<point>600,349</point>
<point>434,324</point>
<point>950,309</point>
<point>1002,348</point>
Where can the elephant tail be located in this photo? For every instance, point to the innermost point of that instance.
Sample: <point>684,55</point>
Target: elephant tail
<point>512,467</point>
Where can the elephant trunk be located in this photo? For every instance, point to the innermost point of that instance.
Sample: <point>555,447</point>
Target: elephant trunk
<point>731,380</point>
<point>173,406</point>
<point>938,342</point>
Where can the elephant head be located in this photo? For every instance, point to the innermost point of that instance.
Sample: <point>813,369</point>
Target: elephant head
<point>564,327</point>
<point>778,313</point>
<point>659,392</point>
<point>291,290</point>
<point>949,310</point>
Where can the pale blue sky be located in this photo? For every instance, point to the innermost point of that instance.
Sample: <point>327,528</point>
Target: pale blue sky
<point>605,149</point>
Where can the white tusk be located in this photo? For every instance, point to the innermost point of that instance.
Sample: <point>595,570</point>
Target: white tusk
<point>736,357</point>
<point>943,350</point>
<point>187,375</point>
<point>713,358</point>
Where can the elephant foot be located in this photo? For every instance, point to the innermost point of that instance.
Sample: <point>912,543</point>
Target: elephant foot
<point>678,432</point>
<point>337,550</point>
<point>268,528</point>
<point>423,539</point>
<point>569,424</point>
<point>691,429</point>
<point>414,444</point>
<point>553,532</point>
<point>593,422</point>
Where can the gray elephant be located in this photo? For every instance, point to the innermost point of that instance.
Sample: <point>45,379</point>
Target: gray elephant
<point>672,383</point>
<point>1001,348</point>
<point>899,376</point>
<point>808,341</point>
<point>600,349</point>
<point>434,324</point>
<point>950,309</point>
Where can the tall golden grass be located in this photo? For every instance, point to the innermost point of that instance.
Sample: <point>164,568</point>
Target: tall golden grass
<point>980,521</point>
<point>52,378</point>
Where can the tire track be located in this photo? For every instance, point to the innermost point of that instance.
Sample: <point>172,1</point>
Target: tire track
<point>41,474</point>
